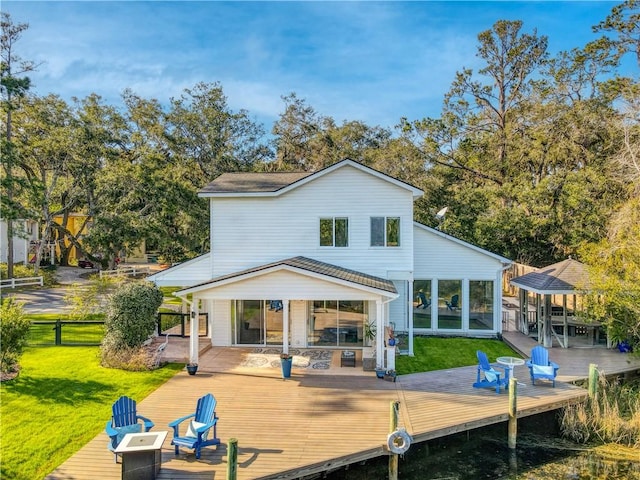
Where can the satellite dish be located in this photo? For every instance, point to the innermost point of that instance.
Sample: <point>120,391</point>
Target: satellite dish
<point>440,214</point>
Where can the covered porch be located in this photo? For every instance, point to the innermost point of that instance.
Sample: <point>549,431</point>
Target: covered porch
<point>296,303</point>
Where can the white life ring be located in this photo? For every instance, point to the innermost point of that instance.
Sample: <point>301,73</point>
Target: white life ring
<point>399,441</point>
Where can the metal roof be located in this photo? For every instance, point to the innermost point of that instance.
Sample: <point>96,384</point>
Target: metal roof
<point>565,277</point>
<point>311,266</point>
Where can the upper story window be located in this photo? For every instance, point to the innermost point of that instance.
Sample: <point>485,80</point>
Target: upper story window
<point>385,231</point>
<point>334,232</point>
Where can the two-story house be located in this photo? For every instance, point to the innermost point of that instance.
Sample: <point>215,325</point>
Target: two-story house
<point>310,259</point>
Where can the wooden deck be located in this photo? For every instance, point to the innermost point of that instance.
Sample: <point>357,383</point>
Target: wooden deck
<point>315,421</point>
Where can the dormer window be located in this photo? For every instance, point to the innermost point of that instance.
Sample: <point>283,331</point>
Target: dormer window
<point>334,232</point>
<point>385,231</point>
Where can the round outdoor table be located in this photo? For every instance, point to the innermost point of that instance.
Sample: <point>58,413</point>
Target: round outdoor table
<point>509,363</point>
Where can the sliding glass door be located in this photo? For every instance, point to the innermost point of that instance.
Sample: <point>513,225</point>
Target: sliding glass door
<point>257,322</point>
<point>336,323</point>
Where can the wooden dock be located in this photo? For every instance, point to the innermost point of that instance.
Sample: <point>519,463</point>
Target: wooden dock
<point>317,420</point>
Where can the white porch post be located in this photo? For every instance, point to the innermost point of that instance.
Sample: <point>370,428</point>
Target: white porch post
<point>193,339</point>
<point>410,317</point>
<point>285,325</point>
<point>379,334</point>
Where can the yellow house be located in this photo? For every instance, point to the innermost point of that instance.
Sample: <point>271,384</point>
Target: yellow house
<point>78,224</point>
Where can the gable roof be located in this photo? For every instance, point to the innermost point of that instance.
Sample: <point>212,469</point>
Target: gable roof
<point>562,278</point>
<point>274,184</point>
<point>304,265</point>
<point>475,248</point>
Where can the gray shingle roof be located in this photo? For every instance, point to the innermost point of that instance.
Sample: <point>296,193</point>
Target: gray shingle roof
<point>315,266</point>
<point>253,182</point>
<point>563,277</point>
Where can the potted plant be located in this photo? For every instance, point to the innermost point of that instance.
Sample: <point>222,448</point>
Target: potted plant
<point>286,360</point>
<point>192,368</point>
<point>369,350</point>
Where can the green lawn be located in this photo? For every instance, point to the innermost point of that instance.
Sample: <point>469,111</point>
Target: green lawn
<point>59,402</point>
<point>435,353</point>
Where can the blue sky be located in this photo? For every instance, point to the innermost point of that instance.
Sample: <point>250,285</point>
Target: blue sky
<point>369,61</point>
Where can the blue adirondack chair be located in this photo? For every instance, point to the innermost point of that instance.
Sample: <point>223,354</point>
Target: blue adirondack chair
<point>125,419</point>
<point>487,376</point>
<point>196,434</point>
<point>424,301</point>
<point>540,366</point>
<point>453,304</point>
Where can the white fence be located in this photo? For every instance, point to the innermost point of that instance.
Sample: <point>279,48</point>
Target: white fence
<point>124,271</point>
<point>20,282</point>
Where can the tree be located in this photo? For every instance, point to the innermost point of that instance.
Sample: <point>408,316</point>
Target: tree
<point>624,23</point>
<point>614,297</point>
<point>45,139</point>
<point>12,87</point>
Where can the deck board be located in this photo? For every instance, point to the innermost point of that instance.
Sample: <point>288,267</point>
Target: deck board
<point>314,421</point>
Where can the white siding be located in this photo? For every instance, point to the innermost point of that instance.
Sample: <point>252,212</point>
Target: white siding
<point>298,319</point>
<point>253,231</point>
<point>220,323</point>
<point>438,257</point>
<point>193,272</point>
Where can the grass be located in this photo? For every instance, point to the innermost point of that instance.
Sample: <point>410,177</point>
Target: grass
<point>60,401</point>
<point>436,353</point>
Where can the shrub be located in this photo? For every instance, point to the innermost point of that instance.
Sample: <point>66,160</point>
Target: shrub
<point>14,331</point>
<point>130,321</point>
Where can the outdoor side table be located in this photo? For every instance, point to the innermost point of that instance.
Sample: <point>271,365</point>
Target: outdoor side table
<point>348,358</point>
<point>509,363</point>
<point>141,455</point>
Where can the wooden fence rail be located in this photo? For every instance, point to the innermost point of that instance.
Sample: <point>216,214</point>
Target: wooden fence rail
<point>19,282</point>
<point>125,271</point>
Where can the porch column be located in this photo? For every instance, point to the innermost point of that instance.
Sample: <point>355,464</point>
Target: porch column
<point>410,317</point>
<point>193,339</point>
<point>548,341</point>
<point>379,334</point>
<point>285,325</point>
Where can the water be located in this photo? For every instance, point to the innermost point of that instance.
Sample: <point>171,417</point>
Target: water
<point>483,454</point>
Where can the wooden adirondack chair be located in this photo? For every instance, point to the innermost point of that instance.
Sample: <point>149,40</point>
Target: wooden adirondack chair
<point>198,428</point>
<point>424,301</point>
<point>453,304</point>
<point>487,376</point>
<point>125,419</point>
<point>540,366</point>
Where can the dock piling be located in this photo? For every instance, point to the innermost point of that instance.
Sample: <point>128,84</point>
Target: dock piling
<point>232,459</point>
<point>593,380</point>
<point>513,410</point>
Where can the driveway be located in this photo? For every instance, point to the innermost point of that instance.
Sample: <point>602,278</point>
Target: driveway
<point>52,300</point>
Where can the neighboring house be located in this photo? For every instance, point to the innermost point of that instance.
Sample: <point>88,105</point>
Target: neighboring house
<point>308,259</point>
<point>25,236</point>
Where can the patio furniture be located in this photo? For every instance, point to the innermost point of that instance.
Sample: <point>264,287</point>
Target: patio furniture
<point>487,376</point>
<point>198,428</point>
<point>453,304</point>
<point>124,419</point>
<point>540,366</point>
<point>424,301</point>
